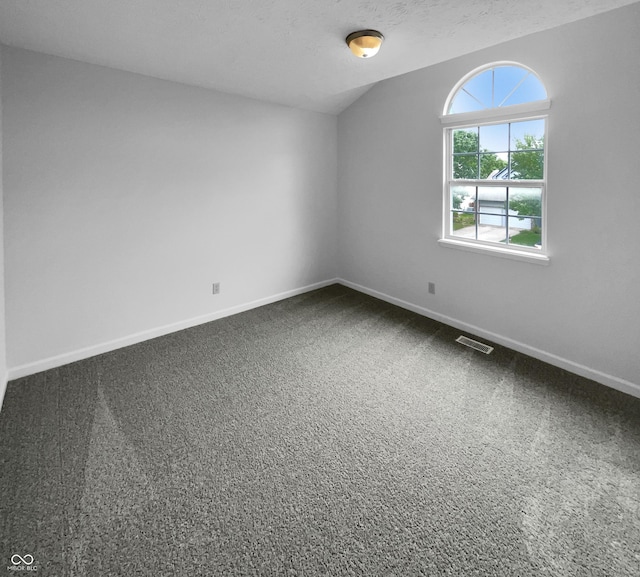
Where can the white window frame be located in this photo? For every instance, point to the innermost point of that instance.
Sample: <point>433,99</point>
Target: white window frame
<point>500,115</point>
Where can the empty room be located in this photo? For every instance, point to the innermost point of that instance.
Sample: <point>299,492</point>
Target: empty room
<point>303,287</point>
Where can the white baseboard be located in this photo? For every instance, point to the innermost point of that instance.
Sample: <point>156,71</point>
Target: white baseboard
<point>84,353</point>
<point>571,366</point>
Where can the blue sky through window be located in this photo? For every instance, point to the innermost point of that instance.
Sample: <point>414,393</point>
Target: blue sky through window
<point>496,87</point>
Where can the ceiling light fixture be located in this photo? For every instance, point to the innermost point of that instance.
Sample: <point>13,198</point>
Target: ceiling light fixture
<point>365,43</point>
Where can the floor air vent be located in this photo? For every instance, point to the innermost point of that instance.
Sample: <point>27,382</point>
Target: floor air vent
<point>486,349</point>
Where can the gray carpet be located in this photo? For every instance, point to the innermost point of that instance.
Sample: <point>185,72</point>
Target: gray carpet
<point>328,434</point>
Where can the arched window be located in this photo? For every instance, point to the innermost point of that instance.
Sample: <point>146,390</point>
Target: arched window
<point>495,149</point>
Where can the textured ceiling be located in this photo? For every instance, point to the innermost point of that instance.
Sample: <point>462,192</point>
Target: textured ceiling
<point>287,51</point>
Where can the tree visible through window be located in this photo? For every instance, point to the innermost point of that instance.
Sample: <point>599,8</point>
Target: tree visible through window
<point>495,149</point>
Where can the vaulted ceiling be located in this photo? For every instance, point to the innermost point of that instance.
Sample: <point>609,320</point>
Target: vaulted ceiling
<point>290,52</point>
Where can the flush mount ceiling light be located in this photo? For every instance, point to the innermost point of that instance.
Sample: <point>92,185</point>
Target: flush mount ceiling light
<point>365,43</point>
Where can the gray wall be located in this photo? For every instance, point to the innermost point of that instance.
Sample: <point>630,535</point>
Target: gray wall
<point>582,311</point>
<point>126,197</point>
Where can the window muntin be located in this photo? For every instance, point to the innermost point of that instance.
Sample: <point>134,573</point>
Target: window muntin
<point>495,170</point>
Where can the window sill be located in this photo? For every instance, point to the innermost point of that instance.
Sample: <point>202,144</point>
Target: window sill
<point>512,254</point>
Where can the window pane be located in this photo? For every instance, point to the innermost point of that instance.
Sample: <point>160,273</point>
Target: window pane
<point>525,216</point>
<point>463,218</point>
<point>492,166</point>
<point>527,165</point>
<point>527,135</point>
<point>465,166</point>
<point>525,232</point>
<point>492,207</point>
<point>492,233</point>
<point>492,214</point>
<point>525,202</point>
<point>465,140</point>
<point>463,224</point>
<point>494,138</point>
<point>463,197</point>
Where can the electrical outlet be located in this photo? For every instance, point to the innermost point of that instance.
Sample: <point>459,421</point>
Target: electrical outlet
<point>432,288</point>
<point>216,288</point>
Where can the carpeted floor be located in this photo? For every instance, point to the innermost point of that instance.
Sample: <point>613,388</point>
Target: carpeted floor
<point>328,434</point>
